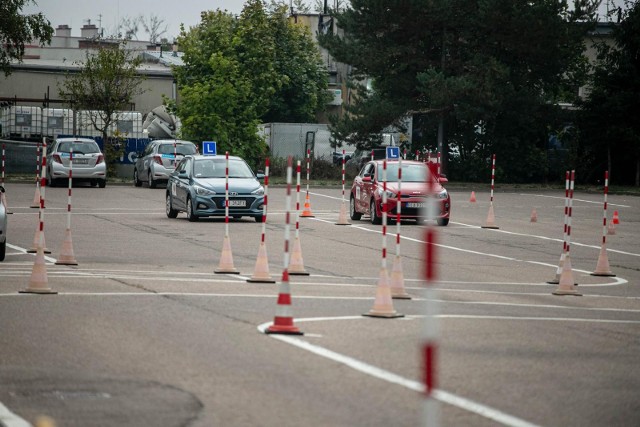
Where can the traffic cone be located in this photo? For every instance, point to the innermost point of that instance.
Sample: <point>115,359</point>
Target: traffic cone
<point>491,220</point>
<point>39,282</point>
<point>296,264</point>
<point>36,198</point>
<point>383,304</point>
<point>611,228</point>
<point>283,320</point>
<point>261,270</point>
<point>396,280</point>
<point>306,212</point>
<point>66,256</point>
<point>342,218</point>
<point>226,259</point>
<point>616,219</point>
<point>558,270</point>
<point>534,215</point>
<point>36,242</point>
<point>472,199</point>
<point>566,285</point>
<point>602,268</point>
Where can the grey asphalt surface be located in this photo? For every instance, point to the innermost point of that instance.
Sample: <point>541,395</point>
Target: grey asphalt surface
<point>142,332</point>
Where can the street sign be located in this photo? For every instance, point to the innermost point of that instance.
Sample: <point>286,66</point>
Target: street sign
<point>393,153</point>
<point>209,148</point>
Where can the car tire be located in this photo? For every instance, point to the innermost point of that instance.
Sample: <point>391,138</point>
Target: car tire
<point>443,222</point>
<point>191,216</point>
<point>152,182</point>
<point>375,219</point>
<point>3,250</point>
<point>258,218</point>
<point>171,213</point>
<point>102,183</point>
<point>352,209</point>
<point>136,179</point>
<point>94,182</point>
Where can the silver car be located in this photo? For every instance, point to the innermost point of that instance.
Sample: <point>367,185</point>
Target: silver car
<point>3,227</point>
<point>88,162</point>
<point>158,160</point>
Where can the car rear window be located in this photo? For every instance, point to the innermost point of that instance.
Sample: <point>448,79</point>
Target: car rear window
<point>85,147</point>
<point>182,149</point>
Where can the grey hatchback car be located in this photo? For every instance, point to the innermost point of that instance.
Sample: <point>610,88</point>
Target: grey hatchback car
<point>157,161</point>
<point>197,187</point>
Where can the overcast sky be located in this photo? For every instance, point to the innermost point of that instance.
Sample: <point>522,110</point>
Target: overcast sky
<point>174,12</point>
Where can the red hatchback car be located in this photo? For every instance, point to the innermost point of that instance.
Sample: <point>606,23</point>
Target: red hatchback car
<point>366,191</point>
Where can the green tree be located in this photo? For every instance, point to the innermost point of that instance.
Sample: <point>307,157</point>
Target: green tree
<point>483,72</point>
<point>17,29</point>
<point>241,71</point>
<point>609,129</point>
<point>106,83</point>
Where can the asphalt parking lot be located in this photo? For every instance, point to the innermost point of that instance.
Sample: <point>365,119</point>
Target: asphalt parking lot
<point>142,332</point>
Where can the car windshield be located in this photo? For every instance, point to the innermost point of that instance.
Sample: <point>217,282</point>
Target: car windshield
<point>410,172</point>
<point>79,147</point>
<point>215,168</point>
<point>182,149</point>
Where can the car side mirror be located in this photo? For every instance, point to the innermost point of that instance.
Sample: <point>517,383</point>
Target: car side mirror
<point>183,174</point>
<point>1,189</point>
<point>260,176</point>
<point>443,179</point>
<point>366,178</point>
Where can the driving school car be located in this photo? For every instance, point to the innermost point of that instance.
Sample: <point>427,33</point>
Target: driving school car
<point>367,192</point>
<point>198,188</point>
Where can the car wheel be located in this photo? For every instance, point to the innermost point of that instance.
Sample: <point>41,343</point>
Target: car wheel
<point>102,183</point>
<point>191,216</point>
<point>443,222</point>
<point>3,250</point>
<point>171,213</point>
<point>375,219</point>
<point>352,209</point>
<point>136,178</point>
<point>152,183</point>
<point>94,182</point>
<point>258,218</point>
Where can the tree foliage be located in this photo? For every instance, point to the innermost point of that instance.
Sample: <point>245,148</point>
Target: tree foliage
<point>17,29</point>
<point>608,121</point>
<point>489,69</point>
<point>241,71</point>
<point>106,82</point>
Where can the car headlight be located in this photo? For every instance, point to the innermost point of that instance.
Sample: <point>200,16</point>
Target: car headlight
<point>390,194</point>
<point>258,191</point>
<point>443,194</point>
<point>201,191</point>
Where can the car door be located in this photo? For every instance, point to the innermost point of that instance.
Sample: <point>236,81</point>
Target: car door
<point>179,183</point>
<point>367,176</point>
<point>145,162</point>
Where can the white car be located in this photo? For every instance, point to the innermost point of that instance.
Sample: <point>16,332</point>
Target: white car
<point>88,162</point>
<point>3,227</point>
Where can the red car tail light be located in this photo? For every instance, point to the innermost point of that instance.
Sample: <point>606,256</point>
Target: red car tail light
<point>57,159</point>
<point>100,159</point>
<point>158,160</point>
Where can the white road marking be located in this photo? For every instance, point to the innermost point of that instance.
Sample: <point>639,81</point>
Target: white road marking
<point>9,419</point>
<point>578,200</point>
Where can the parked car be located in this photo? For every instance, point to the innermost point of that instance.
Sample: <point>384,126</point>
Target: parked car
<point>157,161</point>
<point>3,227</point>
<point>197,187</point>
<point>88,162</point>
<point>360,157</point>
<point>367,188</point>
<point>337,157</point>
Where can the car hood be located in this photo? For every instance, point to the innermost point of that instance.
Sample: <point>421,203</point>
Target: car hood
<point>408,188</point>
<point>236,185</point>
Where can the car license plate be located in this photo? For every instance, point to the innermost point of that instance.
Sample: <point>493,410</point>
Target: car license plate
<point>416,205</point>
<point>80,161</point>
<point>238,203</point>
